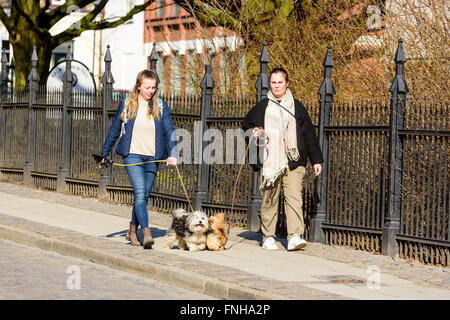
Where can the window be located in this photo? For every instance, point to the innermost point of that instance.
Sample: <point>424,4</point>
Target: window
<point>58,57</point>
<point>189,26</point>
<point>174,27</point>
<point>160,68</point>
<point>224,75</point>
<point>209,56</point>
<point>176,9</point>
<point>192,77</point>
<point>242,71</point>
<point>176,83</point>
<point>161,5</point>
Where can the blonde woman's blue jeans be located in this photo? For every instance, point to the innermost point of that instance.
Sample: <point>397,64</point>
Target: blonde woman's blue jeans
<point>142,177</point>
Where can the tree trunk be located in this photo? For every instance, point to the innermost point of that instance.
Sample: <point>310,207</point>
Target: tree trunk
<point>23,37</point>
<point>23,50</point>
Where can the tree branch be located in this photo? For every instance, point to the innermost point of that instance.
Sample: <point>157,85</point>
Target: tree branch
<point>213,14</point>
<point>52,17</point>
<point>30,21</point>
<point>86,23</point>
<point>91,15</point>
<point>45,7</point>
<point>5,20</point>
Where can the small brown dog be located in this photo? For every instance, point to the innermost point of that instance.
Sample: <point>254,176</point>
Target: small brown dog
<point>217,237</point>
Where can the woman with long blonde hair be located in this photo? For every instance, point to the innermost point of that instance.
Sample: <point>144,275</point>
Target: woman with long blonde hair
<point>145,127</point>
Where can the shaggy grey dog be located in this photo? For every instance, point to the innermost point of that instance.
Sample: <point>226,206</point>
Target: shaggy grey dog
<point>189,229</point>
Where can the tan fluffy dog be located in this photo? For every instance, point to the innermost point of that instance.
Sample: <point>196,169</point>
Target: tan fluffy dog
<point>217,237</point>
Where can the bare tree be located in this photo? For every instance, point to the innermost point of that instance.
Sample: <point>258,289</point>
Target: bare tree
<point>29,23</point>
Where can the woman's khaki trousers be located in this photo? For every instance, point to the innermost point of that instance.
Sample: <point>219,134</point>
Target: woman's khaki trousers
<point>292,183</point>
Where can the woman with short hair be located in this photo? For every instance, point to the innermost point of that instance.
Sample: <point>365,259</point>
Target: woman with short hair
<point>290,140</point>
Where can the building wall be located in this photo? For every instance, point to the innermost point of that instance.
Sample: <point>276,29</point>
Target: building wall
<point>184,46</point>
<point>126,44</point>
<point>125,41</point>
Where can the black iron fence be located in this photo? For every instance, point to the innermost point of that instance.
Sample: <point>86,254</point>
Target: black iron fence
<point>384,187</point>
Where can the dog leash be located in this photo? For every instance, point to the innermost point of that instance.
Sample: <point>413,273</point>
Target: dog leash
<point>237,179</point>
<point>109,163</point>
<point>182,184</point>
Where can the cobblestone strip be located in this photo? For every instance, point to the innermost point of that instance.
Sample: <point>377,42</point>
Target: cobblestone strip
<point>172,269</point>
<point>34,274</point>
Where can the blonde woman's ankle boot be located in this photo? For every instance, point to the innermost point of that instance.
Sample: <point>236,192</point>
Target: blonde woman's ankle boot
<point>148,240</point>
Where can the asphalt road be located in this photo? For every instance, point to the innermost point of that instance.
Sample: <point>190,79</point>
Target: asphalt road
<point>32,273</point>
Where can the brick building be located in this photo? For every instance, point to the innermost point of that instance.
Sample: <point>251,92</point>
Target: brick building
<point>184,46</point>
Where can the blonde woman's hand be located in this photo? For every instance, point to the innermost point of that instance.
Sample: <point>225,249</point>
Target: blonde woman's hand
<point>171,161</point>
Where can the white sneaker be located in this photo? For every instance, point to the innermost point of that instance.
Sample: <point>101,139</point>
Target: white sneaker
<point>270,244</point>
<point>296,243</point>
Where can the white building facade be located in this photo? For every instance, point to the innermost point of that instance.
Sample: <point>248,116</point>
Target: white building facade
<point>126,44</point>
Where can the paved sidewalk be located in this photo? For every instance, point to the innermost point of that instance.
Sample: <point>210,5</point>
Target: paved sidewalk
<point>95,231</point>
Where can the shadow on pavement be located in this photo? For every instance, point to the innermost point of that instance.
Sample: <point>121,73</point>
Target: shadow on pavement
<point>156,233</point>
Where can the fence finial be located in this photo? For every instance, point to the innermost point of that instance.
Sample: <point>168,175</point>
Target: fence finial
<point>398,83</point>
<point>208,81</point>
<point>154,61</point>
<point>262,84</point>
<point>107,75</point>
<point>327,86</point>
<point>34,75</point>
<point>264,54</point>
<point>108,54</point>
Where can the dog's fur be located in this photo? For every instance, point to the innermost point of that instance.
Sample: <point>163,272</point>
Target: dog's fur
<point>189,229</point>
<point>217,237</point>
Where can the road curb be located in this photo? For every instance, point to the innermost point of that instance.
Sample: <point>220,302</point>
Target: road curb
<point>171,275</point>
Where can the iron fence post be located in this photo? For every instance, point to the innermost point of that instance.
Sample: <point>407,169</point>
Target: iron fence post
<point>326,93</point>
<point>107,89</point>
<point>66,140</point>
<point>3,91</point>
<point>202,188</point>
<point>33,82</point>
<point>254,204</point>
<point>399,90</point>
<point>154,62</point>
<point>4,77</point>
